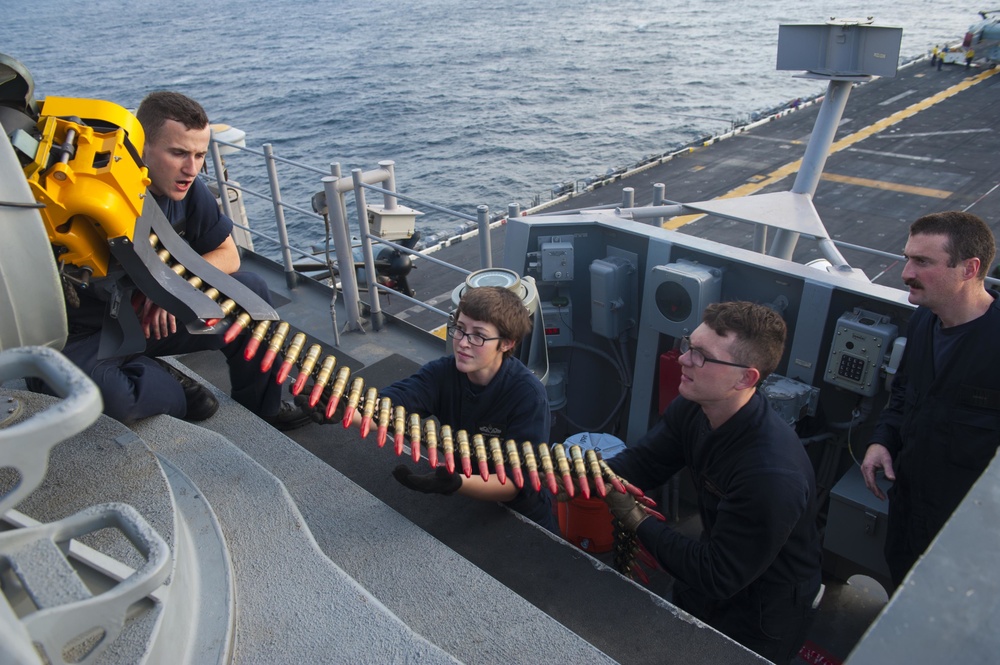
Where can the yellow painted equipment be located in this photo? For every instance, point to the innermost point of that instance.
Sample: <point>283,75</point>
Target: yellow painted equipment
<point>88,172</point>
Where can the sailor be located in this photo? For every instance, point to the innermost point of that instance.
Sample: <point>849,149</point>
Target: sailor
<point>941,426</point>
<point>970,54</point>
<point>483,389</point>
<point>934,55</point>
<point>754,574</point>
<point>138,386</point>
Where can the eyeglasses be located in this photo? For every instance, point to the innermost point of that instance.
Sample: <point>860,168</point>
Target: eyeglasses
<point>475,339</point>
<point>698,358</point>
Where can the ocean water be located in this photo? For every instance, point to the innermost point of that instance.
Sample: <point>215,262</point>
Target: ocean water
<point>477,103</point>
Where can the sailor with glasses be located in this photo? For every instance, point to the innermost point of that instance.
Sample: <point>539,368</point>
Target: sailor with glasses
<point>754,573</point>
<point>483,389</point>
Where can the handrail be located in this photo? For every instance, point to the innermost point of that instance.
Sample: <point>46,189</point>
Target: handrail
<point>339,221</point>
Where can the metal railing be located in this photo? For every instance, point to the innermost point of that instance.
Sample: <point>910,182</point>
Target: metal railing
<point>335,187</point>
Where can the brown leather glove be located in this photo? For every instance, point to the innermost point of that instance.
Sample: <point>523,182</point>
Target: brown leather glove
<point>625,509</point>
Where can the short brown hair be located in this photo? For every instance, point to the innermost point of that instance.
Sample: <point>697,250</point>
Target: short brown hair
<point>968,237</point>
<point>158,107</point>
<point>759,330</point>
<point>499,306</point>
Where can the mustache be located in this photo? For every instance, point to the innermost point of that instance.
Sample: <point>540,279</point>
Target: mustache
<point>913,283</point>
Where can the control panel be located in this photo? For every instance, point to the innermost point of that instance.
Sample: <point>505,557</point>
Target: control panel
<point>860,343</point>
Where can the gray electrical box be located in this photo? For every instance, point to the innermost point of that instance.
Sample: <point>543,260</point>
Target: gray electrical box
<point>793,400</point>
<point>612,283</point>
<point>842,48</point>
<point>855,530</point>
<point>857,351</point>
<point>558,320</point>
<point>677,294</point>
<point>557,260</point>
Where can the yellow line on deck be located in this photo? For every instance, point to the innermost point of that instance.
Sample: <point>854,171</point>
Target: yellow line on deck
<point>783,172</point>
<point>890,186</point>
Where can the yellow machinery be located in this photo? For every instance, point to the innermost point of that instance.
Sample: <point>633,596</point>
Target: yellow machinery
<point>82,159</point>
<point>90,177</point>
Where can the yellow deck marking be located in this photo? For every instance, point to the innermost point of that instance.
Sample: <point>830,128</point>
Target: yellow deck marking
<point>890,186</point>
<point>441,331</point>
<point>783,172</point>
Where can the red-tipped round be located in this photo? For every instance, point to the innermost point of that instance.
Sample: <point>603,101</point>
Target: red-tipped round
<point>584,486</point>
<point>518,477</point>
<point>250,350</point>
<point>645,501</point>
<point>432,456</point>
<point>568,484</point>
<point>640,574</point>
<point>602,490</point>
<point>268,360</point>
<point>646,558</point>
<point>536,482</point>
<point>398,441</point>
<point>283,371</point>
<point>348,416</point>
<point>501,474</point>
<point>484,470</point>
<point>467,467</point>
<point>331,406</point>
<point>315,394</point>
<point>656,514</point>
<point>232,332</point>
<point>300,383</point>
<point>366,423</point>
<point>618,486</point>
<point>449,462</point>
<point>211,322</point>
<point>550,478</point>
<point>415,449</point>
<point>633,490</point>
<point>381,435</point>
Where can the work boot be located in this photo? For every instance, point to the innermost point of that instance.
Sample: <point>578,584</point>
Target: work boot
<point>201,403</point>
<point>289,417</point>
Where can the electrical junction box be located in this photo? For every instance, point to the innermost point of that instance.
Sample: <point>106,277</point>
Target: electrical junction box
<point>793,400</point>
<point>556,257</point>
<point>855,530</point>
<point>395,224</point>
<point>677,295</point>
<point>857,352</point>
<point>557,318</point>
<point>612,282</point>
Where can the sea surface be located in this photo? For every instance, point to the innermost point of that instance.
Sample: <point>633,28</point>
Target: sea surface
<point>476,102</point>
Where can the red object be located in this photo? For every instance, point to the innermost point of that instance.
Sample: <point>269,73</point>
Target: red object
<point>815,655</point>
<point>250,350</point>
<point>300,383</point>
<point>586,523</point>
<point>670,378</point>
<point>268,360</point>
<point>283,371</point>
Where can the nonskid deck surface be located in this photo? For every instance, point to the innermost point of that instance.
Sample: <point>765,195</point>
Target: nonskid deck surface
<point>570,590</point>
<point>921,142</point>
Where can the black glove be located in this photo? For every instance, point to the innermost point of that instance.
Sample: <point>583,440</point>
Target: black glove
<point>441,481</point>
<point>318,412</point>
<point>625,509</point>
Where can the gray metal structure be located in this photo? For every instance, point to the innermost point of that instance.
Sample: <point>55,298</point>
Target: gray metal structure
<point>270,552</point>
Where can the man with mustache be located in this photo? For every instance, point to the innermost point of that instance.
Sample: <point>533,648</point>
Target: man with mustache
<point>941,426</point>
